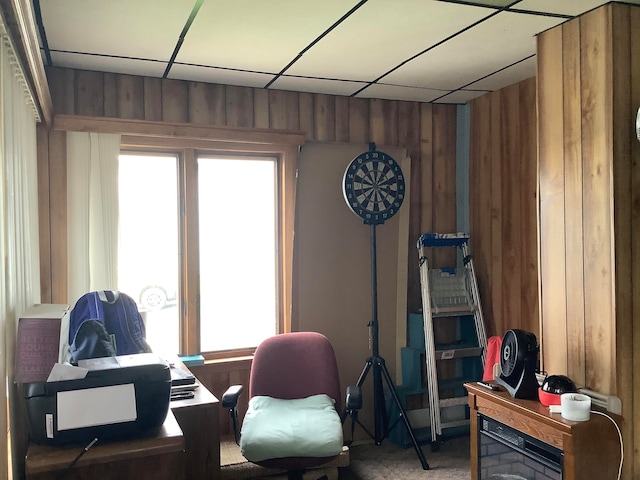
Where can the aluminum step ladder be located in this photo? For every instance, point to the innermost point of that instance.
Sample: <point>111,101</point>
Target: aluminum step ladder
<point>449,294</point>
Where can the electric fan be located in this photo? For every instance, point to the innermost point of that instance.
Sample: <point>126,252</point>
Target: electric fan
<point>518,361</point>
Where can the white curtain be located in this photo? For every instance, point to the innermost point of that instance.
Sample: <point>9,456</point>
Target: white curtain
<point>92,209</point>
<point>19,252</point>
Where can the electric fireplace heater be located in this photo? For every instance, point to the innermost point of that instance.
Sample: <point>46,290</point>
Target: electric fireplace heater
<point>508,454</point>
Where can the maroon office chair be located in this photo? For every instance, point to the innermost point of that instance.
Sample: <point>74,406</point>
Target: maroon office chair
<point>291,368</point>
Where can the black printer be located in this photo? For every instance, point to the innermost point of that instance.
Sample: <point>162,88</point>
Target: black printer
<point>120,397</point>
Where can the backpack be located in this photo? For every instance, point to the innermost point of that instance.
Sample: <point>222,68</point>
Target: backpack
<point>91,341</point>
<point>119,314</point>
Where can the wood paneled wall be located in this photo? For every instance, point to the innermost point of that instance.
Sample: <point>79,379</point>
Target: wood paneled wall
<point>588,92</point>
<point>427,131</point>
<point>503,199</point>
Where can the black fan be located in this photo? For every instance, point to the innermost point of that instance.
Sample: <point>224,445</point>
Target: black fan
<point>518,361</point>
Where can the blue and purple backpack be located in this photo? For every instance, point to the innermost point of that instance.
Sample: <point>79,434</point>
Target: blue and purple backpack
<point>123,326</point>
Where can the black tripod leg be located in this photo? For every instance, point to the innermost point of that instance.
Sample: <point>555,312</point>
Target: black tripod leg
<point>403,414</point>
<point>365,370</point>
<point>379,407</point>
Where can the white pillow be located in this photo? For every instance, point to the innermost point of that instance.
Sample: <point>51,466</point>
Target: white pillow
<point>305,427</point>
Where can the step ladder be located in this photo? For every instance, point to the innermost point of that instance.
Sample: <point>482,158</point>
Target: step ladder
<point>450,294</point>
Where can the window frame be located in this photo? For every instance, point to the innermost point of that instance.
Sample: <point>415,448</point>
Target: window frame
<point>170,137</point>
<point>188,152</point>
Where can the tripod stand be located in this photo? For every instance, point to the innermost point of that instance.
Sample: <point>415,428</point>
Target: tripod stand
<point>380,372</point>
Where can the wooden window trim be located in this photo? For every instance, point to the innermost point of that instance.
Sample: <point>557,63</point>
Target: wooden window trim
<point>158,135</point>
<point>145,128</point>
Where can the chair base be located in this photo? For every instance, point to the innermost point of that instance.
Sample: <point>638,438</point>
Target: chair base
<point>235,467</point>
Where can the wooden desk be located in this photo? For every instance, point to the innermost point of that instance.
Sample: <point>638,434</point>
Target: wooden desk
<point>157,456</point>
<point>199,419</point>
<point>591,449</point>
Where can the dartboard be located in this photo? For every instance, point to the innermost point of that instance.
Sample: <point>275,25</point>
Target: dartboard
<point>373,187</point>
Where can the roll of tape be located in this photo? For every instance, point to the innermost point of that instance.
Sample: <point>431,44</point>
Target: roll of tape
<point>575,406</point>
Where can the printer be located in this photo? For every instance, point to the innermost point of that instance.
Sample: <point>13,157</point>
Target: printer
<point>120,397</point>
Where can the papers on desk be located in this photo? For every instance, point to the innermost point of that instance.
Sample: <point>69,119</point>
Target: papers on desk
<point>183,384</point>
<point>63,371</point>
<point>181,377</point>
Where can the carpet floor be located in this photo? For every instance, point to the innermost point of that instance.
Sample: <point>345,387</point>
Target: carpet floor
<point>368,462</point>
<point>388,461</point>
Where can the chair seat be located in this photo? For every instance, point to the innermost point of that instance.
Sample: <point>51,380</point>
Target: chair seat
<point>277,428</point>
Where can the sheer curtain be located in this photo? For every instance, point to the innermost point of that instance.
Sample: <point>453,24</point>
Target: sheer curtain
<point>19,257</point>
<point>92,206</point>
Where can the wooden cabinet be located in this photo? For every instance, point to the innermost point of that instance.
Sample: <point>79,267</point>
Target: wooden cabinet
<point>591,449</point>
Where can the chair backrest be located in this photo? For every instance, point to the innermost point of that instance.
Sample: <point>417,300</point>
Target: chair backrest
<point>295,365</point>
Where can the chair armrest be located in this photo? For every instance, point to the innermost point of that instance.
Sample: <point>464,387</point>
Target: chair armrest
<point>230,401</point>
<point>354,398</point>
<point>231,395</point>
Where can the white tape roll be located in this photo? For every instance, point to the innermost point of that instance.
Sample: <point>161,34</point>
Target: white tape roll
<point>575,406</point>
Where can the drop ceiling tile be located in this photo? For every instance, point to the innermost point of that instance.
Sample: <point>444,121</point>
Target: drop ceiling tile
<point>246,42</point>
<point>219,75</point>
<point>508,76</point>
<point>108,64</point>
<point>396,92</point>
<point>317,85</point>
<point>381,35</point>
<point>573,7</point>
<point>257,35</point>
<point>146,29</point>
<point>504,39</point>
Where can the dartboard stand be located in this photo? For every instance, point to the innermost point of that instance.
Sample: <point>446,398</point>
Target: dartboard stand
<point>373,188</point>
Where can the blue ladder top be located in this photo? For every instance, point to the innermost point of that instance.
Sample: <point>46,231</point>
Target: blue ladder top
<point>443,239</point>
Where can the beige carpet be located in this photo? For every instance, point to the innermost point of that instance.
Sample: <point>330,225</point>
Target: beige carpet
<point>233,466</point>
<point>365,462</point>
<point>390,462</point>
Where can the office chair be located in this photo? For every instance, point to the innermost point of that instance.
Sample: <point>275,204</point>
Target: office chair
<point>293,421</point>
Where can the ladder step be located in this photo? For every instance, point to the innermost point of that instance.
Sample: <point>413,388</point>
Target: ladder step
<point>453,311</point>
<point>448,354</point>
<point>453,401</point>
<point>443,239</point>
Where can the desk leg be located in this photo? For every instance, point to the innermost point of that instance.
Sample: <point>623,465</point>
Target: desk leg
<point>200,427</point>
<point>473,437</point>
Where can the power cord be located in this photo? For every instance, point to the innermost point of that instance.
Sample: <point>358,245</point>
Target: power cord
<point>64,473</point>
<point>619,436</point>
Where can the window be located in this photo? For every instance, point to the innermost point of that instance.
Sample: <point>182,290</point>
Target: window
<point>238,252</point>
<point>203,245</point>
<point>148,243</point>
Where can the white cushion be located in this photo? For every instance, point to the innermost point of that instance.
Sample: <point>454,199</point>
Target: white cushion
<point>305,427</point>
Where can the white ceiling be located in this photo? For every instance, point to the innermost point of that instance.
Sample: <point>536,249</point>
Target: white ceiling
<point>446,51</point>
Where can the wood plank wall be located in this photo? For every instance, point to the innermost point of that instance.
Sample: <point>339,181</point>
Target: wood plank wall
<point>427,131</point>
<point>503,199</point>
<point>588,92</point>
